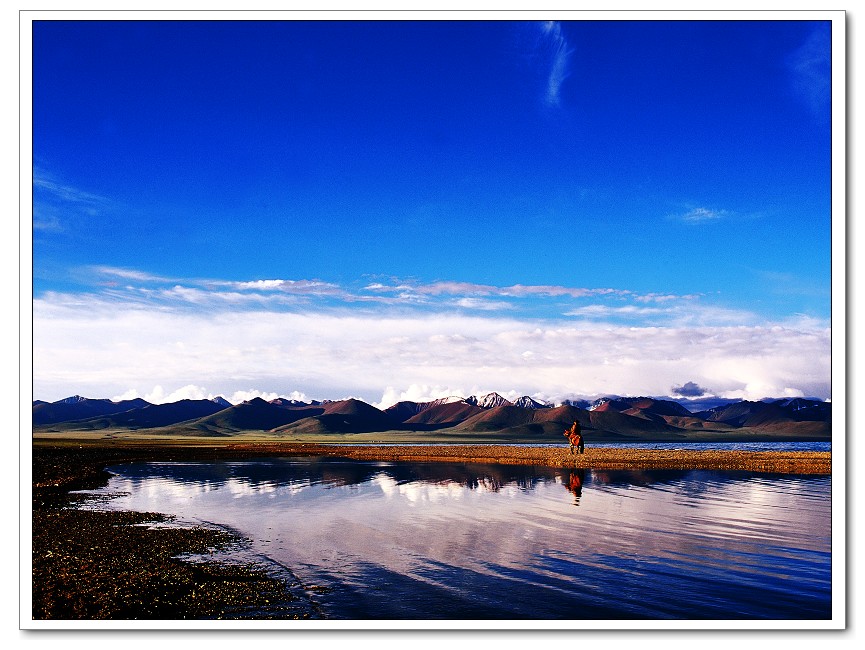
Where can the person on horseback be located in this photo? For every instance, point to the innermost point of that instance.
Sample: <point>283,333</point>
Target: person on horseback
<point>575,437</point>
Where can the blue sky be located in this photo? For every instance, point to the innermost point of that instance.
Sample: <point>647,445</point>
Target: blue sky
<point>408,209</point>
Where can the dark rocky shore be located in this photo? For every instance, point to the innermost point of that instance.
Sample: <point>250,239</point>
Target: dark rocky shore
<point>91,565</point>
<point>107,565</point>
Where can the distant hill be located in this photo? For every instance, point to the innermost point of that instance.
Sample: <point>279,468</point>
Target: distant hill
<point>152,415</point>
<point>803,417</point>
<point>440,415</point>
<point>619,424</point>
<point>253,415</point>
<point>599,424</point>
<point>79,408</point>
<point>608,418</point>
<point>750,414</point>
<point>346,416</point>
<point>514,419</point>
<point>402,411</point>
<point>640,406</point>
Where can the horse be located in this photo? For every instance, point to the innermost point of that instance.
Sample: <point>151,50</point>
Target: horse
<point>575,438</point>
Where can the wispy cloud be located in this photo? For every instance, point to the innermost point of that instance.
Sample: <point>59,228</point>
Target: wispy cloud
<point>811,70</point>
<point>547,52</point>
<point>311,287</point>
<point>125,285</point>
<point>482,304</point>
<point>558,60</point>
<point>701,215</point>
<point>605,311</point>
<point>136,284</point>
<point>55,202</point>
<point>128,274</point>
<point>472,289</point>
<point>45,221</point>
<point>682,313</point>
<point>44,182</point>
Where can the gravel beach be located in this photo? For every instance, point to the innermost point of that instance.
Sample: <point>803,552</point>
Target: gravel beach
<point>599,458</point>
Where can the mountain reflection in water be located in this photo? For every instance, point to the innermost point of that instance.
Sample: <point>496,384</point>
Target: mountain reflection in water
<point>382,540</point>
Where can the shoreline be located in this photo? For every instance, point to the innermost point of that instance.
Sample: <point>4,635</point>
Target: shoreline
<point>606,458</point>
<point>792,462</point>
<point>90,565</point>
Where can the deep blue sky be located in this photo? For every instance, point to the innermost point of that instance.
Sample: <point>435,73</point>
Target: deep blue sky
<point>676,158</point>
<point>330,150</point>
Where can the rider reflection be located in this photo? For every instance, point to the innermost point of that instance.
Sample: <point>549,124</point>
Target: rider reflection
<point>574,484</point>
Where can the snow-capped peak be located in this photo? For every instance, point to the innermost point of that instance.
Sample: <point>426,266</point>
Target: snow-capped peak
<point>75,399</point>
<point>488,401</point>
<point>527,402</point>
<point>599,403</point>
<point>451,399</point>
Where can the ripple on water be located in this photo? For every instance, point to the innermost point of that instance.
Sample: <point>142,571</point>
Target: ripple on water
<point>395,540</point>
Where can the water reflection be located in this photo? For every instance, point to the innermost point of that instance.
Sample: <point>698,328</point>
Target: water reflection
<point>426,540</point>
<point>327,472</point>
<point>575,482</point>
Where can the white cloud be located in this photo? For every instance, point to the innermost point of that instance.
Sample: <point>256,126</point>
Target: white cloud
<point>605,311</point>
<point>98,348</point>
<point>551,290</point>
<point>128,274</point>
<point>684,314</point>
<point>190,391</point>
<point>417,393</point>
<point>448,287</point>
<point>664,297</point>
<point>203,297</point>
<point>451,287</point>
<point>158,292</point>
<point>702,215</point>
<point>260,284</point>
<point>129,394</point>
<point>314,287</point>
<point>239,396</point>
<point>483,305</point>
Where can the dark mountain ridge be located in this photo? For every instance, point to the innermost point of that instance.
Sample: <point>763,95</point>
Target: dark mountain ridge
<point>612,418</point>
<point>747,413</point>
<point>402,411</point>
<point>444,415</point>
<point>252,415</point>
<point>152,415</point>
<point>79,408</point>
<point>345,416</point>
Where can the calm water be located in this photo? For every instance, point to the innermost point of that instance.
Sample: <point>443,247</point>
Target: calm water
<point>378,540</point>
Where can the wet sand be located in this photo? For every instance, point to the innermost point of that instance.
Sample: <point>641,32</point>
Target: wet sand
<point>91,565</point>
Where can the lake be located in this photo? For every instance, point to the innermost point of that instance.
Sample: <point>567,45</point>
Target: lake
<point>388,540</point>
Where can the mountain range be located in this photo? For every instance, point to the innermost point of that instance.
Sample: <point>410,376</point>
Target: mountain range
<point>609,418</point>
